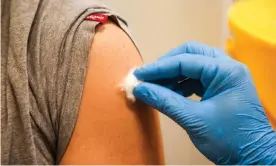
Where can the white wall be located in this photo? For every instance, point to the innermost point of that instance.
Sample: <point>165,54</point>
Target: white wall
<point>159,25</point>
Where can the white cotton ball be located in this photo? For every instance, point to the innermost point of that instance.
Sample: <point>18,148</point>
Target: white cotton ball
<point>128,85</point>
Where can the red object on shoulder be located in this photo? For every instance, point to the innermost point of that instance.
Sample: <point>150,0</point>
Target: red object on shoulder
<point>97,17</point>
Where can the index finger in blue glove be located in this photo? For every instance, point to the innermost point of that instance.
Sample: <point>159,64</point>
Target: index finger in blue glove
<point>193,66</point>
<point>195,48</point>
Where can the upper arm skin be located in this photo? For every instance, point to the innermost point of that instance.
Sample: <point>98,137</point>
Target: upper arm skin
<point>110,130</point>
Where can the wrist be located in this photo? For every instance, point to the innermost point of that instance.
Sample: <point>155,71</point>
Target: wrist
<point>269,156</point>
<point>261,151</point>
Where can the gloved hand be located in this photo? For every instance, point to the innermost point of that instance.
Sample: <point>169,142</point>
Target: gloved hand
<point>228,125</point>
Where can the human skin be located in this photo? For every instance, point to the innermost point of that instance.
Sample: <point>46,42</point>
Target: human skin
<point>110,129</point>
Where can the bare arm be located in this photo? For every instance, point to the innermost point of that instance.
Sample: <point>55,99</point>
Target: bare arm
<point>110,130</point>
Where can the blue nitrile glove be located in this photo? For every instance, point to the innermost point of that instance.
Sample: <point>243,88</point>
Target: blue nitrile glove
<point>228,125</point>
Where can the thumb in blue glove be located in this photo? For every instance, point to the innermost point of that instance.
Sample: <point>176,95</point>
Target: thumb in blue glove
<point>228,125</point>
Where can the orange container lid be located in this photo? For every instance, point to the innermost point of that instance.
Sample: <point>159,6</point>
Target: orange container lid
<point>255,20</point>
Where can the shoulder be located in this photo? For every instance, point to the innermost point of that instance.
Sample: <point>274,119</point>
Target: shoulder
<point>109,128</point>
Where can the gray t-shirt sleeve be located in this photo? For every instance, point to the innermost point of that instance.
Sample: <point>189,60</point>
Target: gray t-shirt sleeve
<point>44,61</point>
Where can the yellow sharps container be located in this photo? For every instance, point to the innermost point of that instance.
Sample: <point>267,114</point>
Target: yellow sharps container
<point>252,24</point>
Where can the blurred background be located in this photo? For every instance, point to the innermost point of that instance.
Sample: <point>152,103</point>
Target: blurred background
<point>160,25</point>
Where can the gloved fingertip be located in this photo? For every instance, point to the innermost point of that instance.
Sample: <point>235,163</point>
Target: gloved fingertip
<point>141,73</point>
<point>141,92</point>
<point>137,73</point>
<point>147,93</point>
